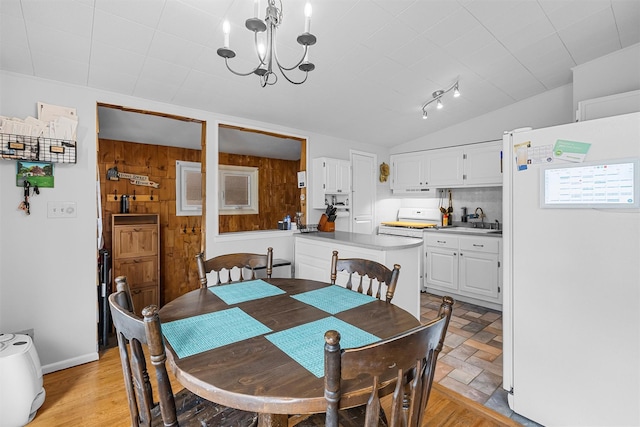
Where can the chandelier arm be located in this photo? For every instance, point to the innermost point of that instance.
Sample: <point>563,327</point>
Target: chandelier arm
<point>306,74</point>
<point>237,73</point>
<point>282,67</point>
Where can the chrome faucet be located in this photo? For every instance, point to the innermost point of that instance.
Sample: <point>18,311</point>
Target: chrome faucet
<point>481,216</point>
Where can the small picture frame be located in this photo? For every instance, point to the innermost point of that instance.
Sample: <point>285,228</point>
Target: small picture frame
<point>37,173</point>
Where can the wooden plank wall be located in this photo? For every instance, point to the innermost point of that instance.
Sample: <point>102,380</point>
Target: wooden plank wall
<point>180,237</point>
<point>278,193</point>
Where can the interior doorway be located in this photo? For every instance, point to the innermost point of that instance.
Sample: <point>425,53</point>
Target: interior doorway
<point>137,152</point>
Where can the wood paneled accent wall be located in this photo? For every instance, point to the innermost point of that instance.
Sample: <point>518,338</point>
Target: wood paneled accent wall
<point>180,236</point>
<point>278,193</point>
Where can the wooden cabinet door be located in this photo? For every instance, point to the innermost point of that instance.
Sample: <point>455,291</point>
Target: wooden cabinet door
<point>139,271</point>
<point>135,241</point>
<point>143,297</point>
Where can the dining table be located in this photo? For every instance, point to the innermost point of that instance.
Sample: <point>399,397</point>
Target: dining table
<point>259,345</point>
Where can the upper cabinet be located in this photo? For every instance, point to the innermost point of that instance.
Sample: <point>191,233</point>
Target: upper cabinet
<point>330,177</point>
<point>466,166</point>
<point>483,164</point>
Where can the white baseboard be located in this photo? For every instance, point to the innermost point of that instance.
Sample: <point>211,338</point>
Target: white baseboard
<point>69,363</point>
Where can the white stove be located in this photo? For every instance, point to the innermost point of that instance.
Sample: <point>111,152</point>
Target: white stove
<point>411,222</point>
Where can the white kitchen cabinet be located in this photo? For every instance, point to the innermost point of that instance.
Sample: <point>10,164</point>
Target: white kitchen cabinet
<point>330,176</point>
<point>477,165</point>
<point>424,170</point>
<point>465,267</point>
<point>445,167</point>
<point>483,164</point>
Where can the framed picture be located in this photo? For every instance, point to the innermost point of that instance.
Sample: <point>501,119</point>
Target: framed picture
<point>37,173</point>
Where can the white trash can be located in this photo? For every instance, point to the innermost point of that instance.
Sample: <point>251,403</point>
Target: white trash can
<point>21,391</point>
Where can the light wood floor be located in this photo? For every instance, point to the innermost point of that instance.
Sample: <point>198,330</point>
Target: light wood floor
<point>93,394</point>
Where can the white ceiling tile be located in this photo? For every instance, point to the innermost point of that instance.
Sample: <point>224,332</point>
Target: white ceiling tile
<point>396,7</point>
<point>114,81</point>
<point>415,50</point>
<point>163,71</point>
<point>52,42</point>
<point>565,13</point>
<point>591,37</point>
<point>173,49</point>
<point>57,68</point>
<point>105,56</point>
<point>122,33</point>
<point>157,90</point>
<point>11,8</point>
<point>186,22</point>
<point>422,15</point>
<point>627,14</point>
<point>145,12</point>
<point>390,38</point>
<point>12,28</point>
<point>452,27</point>
<point>483,60</point>
<point>216,8</point>
<point>476,39</point>
<point>486,11</point>
<point>63,15</point>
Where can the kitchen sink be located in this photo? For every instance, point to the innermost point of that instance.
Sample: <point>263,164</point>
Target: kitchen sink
<point>472,230</point>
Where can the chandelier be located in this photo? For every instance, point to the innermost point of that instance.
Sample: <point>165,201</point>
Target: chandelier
<point>436,98</point>
<point>267,55</point>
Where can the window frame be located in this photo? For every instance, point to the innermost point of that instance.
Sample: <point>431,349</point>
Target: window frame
<point>251,173</point>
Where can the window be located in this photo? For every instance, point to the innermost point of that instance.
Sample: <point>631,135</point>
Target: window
<point>238,190</point>
<point>188,188</point>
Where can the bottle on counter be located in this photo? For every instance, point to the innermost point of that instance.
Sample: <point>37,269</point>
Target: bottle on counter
<point>287,220</point>
<point>445,220</point>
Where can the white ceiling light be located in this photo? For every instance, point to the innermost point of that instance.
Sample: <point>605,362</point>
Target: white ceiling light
<point>266,50</point>
<point>436,97</point>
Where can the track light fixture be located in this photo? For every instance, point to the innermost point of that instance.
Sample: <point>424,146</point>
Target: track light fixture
<point>267,55</point>
<point>437,95</point>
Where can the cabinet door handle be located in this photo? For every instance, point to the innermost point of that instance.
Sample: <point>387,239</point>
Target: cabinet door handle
<point>461,254</point>
<point>455,254</point>
<point>441,241</point>
<point>478,246</point>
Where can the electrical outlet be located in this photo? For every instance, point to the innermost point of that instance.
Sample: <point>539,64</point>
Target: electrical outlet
<point>61,210</point>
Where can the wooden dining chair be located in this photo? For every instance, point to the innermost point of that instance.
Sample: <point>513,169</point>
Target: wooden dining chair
<point>182,409</point>
<point>409,359</point>
<point>228,262</point>
<point>376,273</point>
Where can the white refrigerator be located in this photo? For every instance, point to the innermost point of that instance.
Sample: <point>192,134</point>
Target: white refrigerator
<point>571,308</point>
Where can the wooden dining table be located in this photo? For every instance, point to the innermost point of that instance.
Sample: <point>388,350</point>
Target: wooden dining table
<point>283,330</point>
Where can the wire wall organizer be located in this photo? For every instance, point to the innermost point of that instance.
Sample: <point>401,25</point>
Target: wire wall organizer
<point>37,148</point>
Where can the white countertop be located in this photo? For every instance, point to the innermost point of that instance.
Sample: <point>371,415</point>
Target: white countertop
<point>371,241</point>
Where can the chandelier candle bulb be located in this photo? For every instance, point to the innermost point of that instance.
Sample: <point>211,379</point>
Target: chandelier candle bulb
<point>307,17</point>
<point>226,29</point>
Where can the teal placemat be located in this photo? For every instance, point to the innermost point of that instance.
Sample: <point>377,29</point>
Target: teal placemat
<point>334,299</point>
<point>305,343</point>
<point>236,293</point>
<point>196,334</point>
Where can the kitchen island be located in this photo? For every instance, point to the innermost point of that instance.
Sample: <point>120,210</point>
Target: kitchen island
<point>312,260</point>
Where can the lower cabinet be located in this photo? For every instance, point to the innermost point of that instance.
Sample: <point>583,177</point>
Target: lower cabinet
<point>466,267</point>
<point>136,255</point>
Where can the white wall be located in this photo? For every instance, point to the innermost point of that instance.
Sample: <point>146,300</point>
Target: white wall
<point>547,109</point>
<point>48,273</point>
<point>622,71</point>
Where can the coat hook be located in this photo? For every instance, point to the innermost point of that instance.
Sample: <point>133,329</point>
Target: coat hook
<point>184,230</point>
<point>134,194</point>
<point>193,230</point>
<point>115,195</point>
<point>151,197</point>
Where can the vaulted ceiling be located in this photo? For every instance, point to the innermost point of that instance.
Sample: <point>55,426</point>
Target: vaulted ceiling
<point>377,61</point>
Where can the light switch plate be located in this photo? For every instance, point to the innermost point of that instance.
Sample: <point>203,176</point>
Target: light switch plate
<point>61,210</point>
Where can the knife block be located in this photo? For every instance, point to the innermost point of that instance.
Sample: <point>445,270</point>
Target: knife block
<point>325,225</point>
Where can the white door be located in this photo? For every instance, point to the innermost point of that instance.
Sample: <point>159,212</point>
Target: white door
<point>363,194</point>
